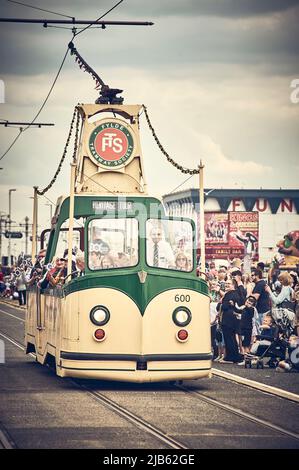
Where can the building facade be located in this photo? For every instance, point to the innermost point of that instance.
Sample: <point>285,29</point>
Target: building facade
<point>232,214</point>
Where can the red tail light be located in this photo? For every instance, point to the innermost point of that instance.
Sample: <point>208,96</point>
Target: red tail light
<point>99,334</point>
<point>182,335</point>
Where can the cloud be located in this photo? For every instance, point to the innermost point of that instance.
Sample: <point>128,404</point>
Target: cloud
<point>184,35</point>
<point>222,165</point>
<point>155,8</point>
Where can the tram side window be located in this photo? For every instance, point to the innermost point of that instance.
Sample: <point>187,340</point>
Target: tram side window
<point>112,243</point>
<point>169,244</point>
<point>62,243</point>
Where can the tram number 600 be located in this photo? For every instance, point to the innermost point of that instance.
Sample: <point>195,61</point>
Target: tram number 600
<point>182,298</point>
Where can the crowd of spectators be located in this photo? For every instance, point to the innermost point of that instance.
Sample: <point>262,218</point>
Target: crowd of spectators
<point>242,310</point>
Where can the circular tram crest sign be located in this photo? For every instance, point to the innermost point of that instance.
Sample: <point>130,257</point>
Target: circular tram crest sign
<point>111,144</point>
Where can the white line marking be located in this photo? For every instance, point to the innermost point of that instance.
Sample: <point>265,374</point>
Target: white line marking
<point>11,315</point>
<point>3,302</point>
<point>12,341</point>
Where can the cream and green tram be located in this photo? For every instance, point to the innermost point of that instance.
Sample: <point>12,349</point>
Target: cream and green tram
<point>137,312</point>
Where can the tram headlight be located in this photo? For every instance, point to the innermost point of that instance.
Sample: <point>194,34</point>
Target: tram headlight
<point>181,316</point>
<point>99,315</point>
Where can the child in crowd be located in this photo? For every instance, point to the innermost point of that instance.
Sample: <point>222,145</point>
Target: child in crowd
<point>291,364</point>
<point>266,336</point>
<point>247,317</point>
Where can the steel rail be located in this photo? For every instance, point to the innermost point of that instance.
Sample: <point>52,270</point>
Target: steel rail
<point>238,412</point>
<point>157,432</point>
<point>121,411</point>
<point>269,389</point>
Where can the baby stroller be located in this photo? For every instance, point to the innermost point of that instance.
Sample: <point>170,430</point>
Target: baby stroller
<point>273,348</point>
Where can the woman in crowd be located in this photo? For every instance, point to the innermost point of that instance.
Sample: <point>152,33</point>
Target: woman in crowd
<point>229,323</point>
<point>286,293</point>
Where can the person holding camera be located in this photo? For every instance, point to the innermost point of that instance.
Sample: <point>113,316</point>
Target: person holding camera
<point>20,283</point>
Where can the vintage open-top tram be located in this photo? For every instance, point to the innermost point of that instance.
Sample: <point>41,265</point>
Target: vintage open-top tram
<point>135,310</point>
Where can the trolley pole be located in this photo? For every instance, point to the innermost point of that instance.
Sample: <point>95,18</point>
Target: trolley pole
<point>202,220</point>
<point>71,218</point>
<point>34,225</point>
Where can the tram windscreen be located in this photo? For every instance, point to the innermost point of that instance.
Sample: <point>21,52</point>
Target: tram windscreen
<point>112,243</point>
<point>169,244</point>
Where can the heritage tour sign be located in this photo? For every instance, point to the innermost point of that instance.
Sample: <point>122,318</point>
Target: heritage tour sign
<point>111,144</point>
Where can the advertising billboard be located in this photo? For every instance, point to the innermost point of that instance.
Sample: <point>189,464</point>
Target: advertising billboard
<point>231,235</point>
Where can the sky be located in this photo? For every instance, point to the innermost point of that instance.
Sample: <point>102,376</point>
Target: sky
<point>215,75</point>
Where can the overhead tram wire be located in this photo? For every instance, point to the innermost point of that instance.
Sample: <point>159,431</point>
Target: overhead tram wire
<point>42,106</point>
<point>40,9</point>
<point>187,179</point>
<point>55,80</point>
<point>102,16</point>
<point>12,144</point>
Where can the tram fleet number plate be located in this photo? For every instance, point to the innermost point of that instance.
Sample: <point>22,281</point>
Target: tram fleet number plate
<point>182,298</point>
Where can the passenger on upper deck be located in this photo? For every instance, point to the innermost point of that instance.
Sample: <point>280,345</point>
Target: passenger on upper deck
<point>159,251</point>
<point>97,243</point>
<point>80,264</point>
<point>181,262</point>
<point>107,262</point>
<point>94,260</point>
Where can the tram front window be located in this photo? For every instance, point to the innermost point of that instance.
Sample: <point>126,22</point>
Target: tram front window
<point>112,243</point>
<point>169,244</point>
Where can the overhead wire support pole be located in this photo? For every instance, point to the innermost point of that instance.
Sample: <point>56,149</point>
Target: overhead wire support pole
<point>73,22</point>
<point>202,220</point>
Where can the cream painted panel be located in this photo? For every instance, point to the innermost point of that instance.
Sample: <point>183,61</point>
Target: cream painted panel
<point>123,331</point>
<point>70,319</point>
<point>159,330</point>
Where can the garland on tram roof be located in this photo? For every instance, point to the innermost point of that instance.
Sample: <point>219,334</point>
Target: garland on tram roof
<point>188,171</point>
<point>76,116</point>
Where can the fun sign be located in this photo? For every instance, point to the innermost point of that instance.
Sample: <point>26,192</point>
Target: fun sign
<point>111,144</point>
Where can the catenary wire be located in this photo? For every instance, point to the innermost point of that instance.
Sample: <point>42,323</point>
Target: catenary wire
<point>38,8</point>
<point>102,16</point>
<point>189,177</point>
<point>43,104</point>
<point>55,80</point>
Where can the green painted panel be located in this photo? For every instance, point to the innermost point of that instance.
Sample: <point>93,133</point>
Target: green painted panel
<point>141,294</point>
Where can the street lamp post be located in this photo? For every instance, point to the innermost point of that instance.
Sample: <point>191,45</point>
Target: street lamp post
<point>9,225</point>
<point>51,210</point>
<point>3,218</point>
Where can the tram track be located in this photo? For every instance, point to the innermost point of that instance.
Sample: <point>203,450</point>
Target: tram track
<point>156,432</point>
<point>145,425</point>
<point>112,405</point>
<point>269,389</point>
<point>238,412</point>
